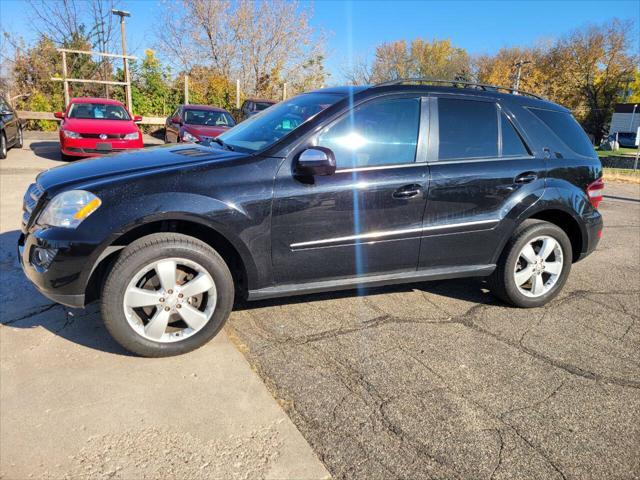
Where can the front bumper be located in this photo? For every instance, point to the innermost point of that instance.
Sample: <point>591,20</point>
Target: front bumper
<point>83,147</point>
<point>65,279</point>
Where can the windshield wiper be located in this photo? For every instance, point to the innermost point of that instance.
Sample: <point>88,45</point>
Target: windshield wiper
<point>222,144</point>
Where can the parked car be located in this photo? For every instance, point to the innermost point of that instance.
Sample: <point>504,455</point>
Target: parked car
<point>339,188</point>
<point>625,139</point>
<point>251,106</point>
<point>196,123</point>
<point>11,127</point>
<point>95,126</point>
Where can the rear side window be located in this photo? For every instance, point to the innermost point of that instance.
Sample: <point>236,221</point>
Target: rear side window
<point>512,144</point>
<point>383,132</point>
<point>467,129</point>
<point>567,129</point>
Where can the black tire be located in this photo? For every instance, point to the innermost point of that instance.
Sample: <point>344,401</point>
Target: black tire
<point>149,249</point>
<point>3,146</point>
<point>502,282</point>
<point>66,158</point>
<point>19,139</point>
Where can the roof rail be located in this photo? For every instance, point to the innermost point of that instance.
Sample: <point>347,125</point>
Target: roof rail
<point>457,84</point>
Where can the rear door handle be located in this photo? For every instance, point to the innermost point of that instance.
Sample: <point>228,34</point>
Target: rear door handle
<point>526,177</point>
<point>408,191</point>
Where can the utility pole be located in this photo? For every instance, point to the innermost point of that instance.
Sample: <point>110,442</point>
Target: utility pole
<point>518,65</point>
<point>186,89</point>
<point>127,79</point>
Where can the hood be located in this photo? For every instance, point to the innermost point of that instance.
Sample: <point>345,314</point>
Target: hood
<point>205,130</point>
<point>133,162</point>
<point>84,125</point>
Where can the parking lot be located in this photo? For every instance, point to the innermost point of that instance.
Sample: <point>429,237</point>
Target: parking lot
<point>432,380</point>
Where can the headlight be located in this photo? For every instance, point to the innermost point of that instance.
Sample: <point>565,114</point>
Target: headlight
<point>187,137</point>
<point>69,209</point>
<point>70,134</point>
<point>132,136</point>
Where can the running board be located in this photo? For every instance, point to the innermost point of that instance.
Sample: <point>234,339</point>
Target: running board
<point>371,281</point>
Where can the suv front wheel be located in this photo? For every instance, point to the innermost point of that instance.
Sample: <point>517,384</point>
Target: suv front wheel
<point>166,295</point>
<point>533,266</point>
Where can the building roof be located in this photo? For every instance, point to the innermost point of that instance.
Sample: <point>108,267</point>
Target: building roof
<point>626,108</point>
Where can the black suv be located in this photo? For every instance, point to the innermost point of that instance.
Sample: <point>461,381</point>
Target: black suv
<point>334,189</point>
<point>10,128</point>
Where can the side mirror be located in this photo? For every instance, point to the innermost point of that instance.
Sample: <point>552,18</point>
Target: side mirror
<point>316,161</point>
<point>59,115</point>
<point>137,118</point>
<point>176,120</point>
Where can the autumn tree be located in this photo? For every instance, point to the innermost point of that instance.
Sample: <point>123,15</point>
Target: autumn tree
<point>437,59</point>
<point>262,43</point>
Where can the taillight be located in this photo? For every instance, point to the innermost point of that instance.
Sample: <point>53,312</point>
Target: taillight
<point>594,192</point>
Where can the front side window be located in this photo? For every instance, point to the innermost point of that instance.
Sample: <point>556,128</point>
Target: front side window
<point>98,111</point>
<point>267,127</point>
<point>467,129</point>
<point>210,118</point>
<point>383,132</point>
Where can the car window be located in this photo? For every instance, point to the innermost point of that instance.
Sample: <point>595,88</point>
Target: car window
<point>567,129</point>
<point>512,144</point>
<point>262,106</point>
<point>467,129</point>
<point>208,118</point>
<point>98,111</point>
<point>383,132</point>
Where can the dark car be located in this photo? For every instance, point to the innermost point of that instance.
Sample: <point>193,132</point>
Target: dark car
<point>10,128</point>
<point>251,106</point>
<point>625,139</point>
<point>340,188</point>
<point>196,123</point>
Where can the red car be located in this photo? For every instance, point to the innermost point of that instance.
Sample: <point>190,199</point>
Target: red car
<point>96,126</point>
<point>196,123</point>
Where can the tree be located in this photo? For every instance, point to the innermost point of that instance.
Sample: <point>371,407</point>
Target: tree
<point>262,43</point>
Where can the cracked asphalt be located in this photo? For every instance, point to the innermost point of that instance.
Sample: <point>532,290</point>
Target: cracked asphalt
<point>441,380</point>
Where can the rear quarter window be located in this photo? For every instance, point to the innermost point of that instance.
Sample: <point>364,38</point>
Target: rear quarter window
<point>567,129</point>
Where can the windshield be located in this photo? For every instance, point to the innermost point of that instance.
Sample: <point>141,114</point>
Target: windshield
<point>98,111</point>
<point>270,125</point>
<point>262,106</point>
<point>208,117</point>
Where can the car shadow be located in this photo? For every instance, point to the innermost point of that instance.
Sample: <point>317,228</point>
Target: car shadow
<point>24,307</point>
<point>47,149</point>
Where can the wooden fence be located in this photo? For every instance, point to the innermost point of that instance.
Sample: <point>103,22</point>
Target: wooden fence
<point>26,115</point>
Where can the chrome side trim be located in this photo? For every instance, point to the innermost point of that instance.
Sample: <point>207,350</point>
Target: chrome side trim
<point>381,167</point>
<point>384,234</point>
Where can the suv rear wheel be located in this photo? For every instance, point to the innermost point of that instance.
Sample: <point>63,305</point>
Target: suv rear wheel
<point>534,265</point>
<point>3,145</point>
<point>167,294</point>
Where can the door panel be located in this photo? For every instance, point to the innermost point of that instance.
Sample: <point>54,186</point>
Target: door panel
<point>347,224</point>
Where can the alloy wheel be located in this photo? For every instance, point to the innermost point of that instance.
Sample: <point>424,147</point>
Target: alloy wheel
<point>539,266</point>
<point>170,300</point>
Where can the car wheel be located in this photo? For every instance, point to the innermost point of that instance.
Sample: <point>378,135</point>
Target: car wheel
<point>534,265</point>
<point>166,295</point>
<point>19,139</point>
<point>3,146</point>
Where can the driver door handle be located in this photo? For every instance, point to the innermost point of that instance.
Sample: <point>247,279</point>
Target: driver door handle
<point>526,177</point>
<point>408,191</point>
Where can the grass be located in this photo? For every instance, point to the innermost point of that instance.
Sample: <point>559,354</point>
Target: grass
<point>621,152</point>
<point>625,175</point>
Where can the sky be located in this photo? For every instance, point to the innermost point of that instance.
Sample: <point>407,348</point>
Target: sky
<point>355,27</point>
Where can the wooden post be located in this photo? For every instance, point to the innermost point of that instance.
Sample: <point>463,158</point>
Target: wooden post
<point>284,91</point>
<point>64,77</point>
<point>186,89</point>
<point>238,93</point>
